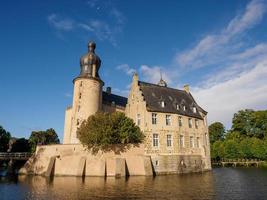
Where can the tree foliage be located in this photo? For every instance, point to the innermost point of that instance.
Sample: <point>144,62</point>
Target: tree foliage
<point>4,139</point>
<point>102,130</point>
<point>250,123</point>
<point>246,139</point>
<point>21,145</point>
<point>216,131</point>
<point>43,138</point>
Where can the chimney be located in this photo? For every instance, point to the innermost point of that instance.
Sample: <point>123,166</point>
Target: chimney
<point>108,90</point>
<point>186,88</point>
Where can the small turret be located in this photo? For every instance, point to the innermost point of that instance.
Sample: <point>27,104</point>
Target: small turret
<point>161,81</point>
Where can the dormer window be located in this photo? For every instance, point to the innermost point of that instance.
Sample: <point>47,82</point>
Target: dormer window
<point>177,107</point>
<point>184,108</point>
<point>194,109</point>
<point>163,104</point>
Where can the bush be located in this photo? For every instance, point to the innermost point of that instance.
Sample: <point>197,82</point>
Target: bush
<point>102,130</point>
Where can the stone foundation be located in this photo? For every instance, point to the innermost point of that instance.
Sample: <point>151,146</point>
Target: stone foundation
<point>75,160</point>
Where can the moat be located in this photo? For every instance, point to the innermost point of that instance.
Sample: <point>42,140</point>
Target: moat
<point>220,183</point>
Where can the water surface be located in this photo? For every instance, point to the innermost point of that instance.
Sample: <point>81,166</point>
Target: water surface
<point>220,183</point>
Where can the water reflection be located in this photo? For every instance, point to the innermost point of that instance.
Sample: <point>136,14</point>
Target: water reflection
<point>139,187</point>
<point>222,183</point>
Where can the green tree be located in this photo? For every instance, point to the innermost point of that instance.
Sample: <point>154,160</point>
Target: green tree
<point>43,138</point>
<point>257,148</point>
<point>4,139</point>
<point>231,149</point>
<point>102,130</point>
<point>250,123</point>
<point>217,150</point>
<point>216,131</point>
<point>246,148</point>
<point>21,145</point>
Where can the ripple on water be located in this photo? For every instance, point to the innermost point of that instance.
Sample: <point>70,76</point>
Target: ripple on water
<point>221,183</point>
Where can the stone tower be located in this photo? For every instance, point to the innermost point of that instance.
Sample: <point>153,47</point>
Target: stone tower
<point>87,94</point>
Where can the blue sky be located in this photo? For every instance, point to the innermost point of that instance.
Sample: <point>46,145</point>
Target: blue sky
<point>219,48</point>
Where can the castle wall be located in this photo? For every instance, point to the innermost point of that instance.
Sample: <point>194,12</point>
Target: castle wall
<point>75,160</point>
<point>67,126</point>
<point>199,135</point>
<point>112,108</point>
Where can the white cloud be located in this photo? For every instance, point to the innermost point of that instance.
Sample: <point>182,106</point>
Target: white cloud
<point>213,48</point>
<point>61,24</point>
<point>108,28</point>
<point>126,69</point>
<point>247,90</point>
<point>236,75</point>
<point>152,74</point>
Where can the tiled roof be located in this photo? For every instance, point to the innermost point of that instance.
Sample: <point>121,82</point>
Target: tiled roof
<point>155,94</point>
<point>112,98</point>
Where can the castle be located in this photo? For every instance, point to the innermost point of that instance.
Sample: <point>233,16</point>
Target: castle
<point>175,126</point>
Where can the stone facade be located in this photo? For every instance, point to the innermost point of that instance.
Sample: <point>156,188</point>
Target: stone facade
<point>75,160</point>
<point>176,142</point>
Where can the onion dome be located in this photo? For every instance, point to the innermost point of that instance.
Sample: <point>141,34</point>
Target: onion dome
<point>90,62</point>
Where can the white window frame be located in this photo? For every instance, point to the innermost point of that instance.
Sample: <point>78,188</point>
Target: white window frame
<point>190,122</point>
<point>177,107</point>
<point>196,123</point>
<point>138,119</point>
<point>198,142</point>
<point>169,141</point>
<point>194,109</point>
<point>191,141</point>
<point>154,118</point>
<point>168,120</point>
<point>163,104</point>
<point>181,141</point>
<point>156,139</point>
<point>180,121</point>
<point>184,108</point>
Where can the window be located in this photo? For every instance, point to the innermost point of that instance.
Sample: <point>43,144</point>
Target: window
<point>194,109</point>
<point>169,140</point>
<point>168,120</point>
<point>81,84</point>
<point>79,107</point>
<point>190,122</point>
<point>181,141</point>
<point>184,108</point>
<point>198,142</point>
<point>80,95</point>
<point>163,104</point>
<point>191,141</point>
<point>177,107</point>
<point>154,118</point>
<point>180,121</point>
<point>78,122</point>
<point>196,123</point>
<point>155,140</point>
<point>138,119</point>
